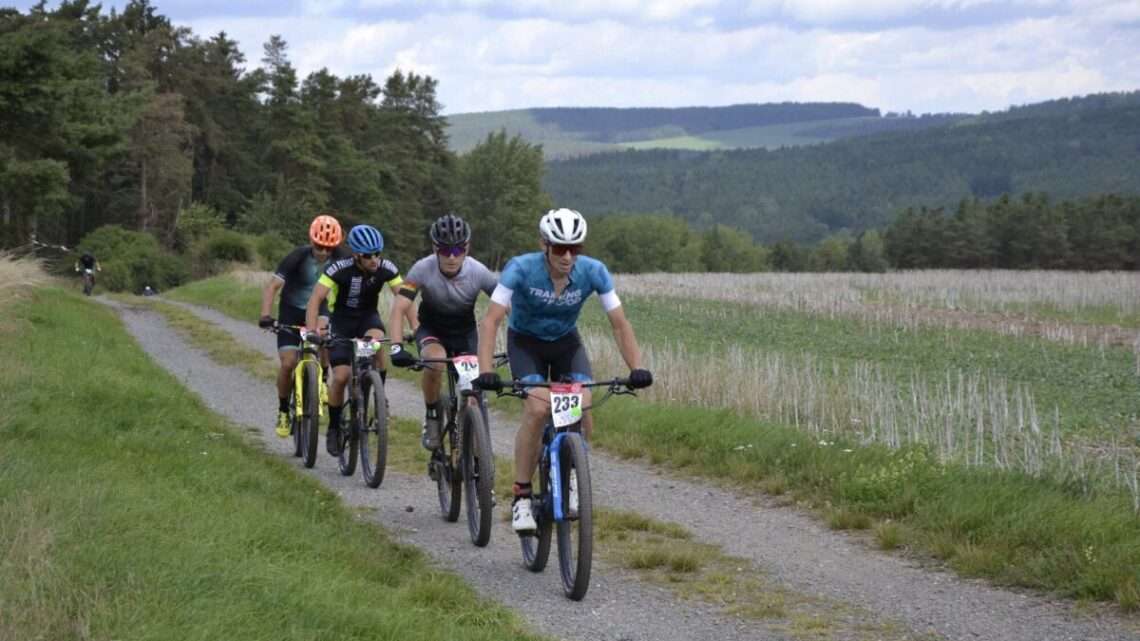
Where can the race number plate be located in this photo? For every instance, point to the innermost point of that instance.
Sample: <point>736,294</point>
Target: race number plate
<point>365,347</point>
<point>468,369</point>
<point>566,403</point>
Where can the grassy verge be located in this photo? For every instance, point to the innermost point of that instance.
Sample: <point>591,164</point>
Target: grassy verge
<point>129,511</point>
<point>223,293</point>
<point>1009,528</point>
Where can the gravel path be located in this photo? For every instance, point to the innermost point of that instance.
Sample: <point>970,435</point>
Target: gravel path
<point>796,549</point>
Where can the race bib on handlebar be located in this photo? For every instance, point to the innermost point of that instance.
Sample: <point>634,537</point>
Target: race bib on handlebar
<point>468,369</point>
<point>365,347</point>
<point>566,403</point>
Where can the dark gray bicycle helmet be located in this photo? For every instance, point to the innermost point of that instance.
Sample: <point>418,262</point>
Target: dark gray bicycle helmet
<point>450,229</point>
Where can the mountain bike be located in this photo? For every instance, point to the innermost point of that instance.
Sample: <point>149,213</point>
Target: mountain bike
<point>308,390</point>
<point>464,458</point>
<point>366,435</point>
<point>565,495</point>
<point>88,281</point>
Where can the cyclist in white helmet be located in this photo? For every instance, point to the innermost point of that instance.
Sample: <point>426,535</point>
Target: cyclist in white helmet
<point>544,292</point>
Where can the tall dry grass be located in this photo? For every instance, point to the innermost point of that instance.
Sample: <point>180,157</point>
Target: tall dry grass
<point>17,274</point>
<point>966,418</point>
<point>1008,302</point>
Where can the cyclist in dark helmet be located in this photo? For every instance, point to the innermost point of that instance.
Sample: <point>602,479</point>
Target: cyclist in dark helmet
<point>449,280</point>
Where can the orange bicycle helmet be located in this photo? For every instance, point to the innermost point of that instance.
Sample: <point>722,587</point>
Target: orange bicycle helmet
<point>325,231</point>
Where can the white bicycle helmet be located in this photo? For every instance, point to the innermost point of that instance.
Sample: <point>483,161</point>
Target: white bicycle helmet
<point>563,227</point>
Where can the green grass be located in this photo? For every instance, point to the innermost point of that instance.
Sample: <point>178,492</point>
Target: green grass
<point>1094,391</point>
<point>223,293</point>
<point>129,511</point>
<point>1007,527</point>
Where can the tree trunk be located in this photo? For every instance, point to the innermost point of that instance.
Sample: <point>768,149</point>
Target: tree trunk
<point>142,197</point>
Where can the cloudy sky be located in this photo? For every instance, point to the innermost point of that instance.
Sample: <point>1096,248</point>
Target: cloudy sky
<point>922,55</point>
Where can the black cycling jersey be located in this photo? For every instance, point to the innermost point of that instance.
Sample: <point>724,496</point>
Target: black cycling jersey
<point>300,271</point>
<point>354,291</point>
<point>87,260</point>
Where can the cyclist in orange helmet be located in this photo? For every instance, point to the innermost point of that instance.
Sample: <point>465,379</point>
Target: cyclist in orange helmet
<point>295,278</point>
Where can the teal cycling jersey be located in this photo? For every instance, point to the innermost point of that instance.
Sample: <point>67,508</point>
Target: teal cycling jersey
<point>526,287</point>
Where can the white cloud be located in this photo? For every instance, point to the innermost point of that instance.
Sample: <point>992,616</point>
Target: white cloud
<point>489,55</point>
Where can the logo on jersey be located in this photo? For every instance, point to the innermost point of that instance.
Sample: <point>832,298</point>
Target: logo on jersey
<point>569,297</point>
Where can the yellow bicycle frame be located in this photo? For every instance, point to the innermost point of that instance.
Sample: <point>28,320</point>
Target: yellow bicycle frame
<point>298,376</point>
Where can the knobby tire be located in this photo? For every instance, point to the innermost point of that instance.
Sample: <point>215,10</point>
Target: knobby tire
<point>576,536</point>
<point>478,464</point>
<point>374,437</point>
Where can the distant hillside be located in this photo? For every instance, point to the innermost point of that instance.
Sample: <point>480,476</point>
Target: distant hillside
<point>1067,148</point>
<point>572,132</point>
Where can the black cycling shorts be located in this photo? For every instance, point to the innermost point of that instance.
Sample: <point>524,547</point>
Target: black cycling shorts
<point>288,339</point>
<point>351,327</point>
<point>533,360</point>
<point>453,344</point>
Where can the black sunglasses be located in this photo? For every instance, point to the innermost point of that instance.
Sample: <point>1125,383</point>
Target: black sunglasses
<point>370,255</point>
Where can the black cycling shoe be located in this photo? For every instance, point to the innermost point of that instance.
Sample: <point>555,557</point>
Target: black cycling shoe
<point>332,441</point>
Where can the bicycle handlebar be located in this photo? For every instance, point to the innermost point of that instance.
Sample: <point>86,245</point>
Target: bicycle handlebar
<point>614,387</point>
<point>422,363</point>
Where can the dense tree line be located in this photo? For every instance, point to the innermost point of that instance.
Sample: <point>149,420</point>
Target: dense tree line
<point>603,124</point>
<point>1071,149</point>
<point>125,118</point>
<point>1100,233</point>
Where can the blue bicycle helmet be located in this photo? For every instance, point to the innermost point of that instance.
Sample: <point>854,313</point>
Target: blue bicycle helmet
<point>365,239</point>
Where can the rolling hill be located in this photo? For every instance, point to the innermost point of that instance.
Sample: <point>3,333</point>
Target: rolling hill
<point>1067,148</point>
<point>574,132</point>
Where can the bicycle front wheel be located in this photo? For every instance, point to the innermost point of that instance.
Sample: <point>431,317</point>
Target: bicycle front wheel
<point>310,413</point>
<point>576,531</point>
<point>536,545</point>
<point>295,425</point>
<point>374,435</point>
<point>350,438</point>
<point>478,467</point>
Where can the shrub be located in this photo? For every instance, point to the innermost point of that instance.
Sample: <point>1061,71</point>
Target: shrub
<point>271,248</point>
<point>224,245</point>
<point>132,260</point>
<point>196,222</point>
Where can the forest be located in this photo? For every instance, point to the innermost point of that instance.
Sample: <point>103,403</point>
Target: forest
<point>1068,149</point>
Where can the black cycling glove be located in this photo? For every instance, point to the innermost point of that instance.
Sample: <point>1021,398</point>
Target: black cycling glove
<point>489,381</point>
<point>265,322</point>
<point>401,357</point>
<point>639,378</point>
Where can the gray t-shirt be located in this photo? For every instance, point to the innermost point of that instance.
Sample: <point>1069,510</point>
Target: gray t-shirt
<point>448,304</point>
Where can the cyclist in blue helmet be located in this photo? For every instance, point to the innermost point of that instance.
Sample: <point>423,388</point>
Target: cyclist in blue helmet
<point>354,284</point>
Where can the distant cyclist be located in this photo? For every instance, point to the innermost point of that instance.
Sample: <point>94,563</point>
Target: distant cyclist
<point>449,281</point>
<point>89,266</point>
<point>352,287</point>
<point>544,292</point>
<point>295,278</point>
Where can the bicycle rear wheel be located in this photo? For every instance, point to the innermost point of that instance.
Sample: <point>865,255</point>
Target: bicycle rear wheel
<point>374,435</point>
<point>575,532</point>
<point>478,466</point>
<point>448,479</point>
<point>536,546</point>
<point>310,413</point>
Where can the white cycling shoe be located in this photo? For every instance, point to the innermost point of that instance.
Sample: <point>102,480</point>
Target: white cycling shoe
<point>521,518</point>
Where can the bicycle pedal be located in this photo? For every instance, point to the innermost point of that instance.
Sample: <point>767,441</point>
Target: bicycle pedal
<point>433,470</point>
